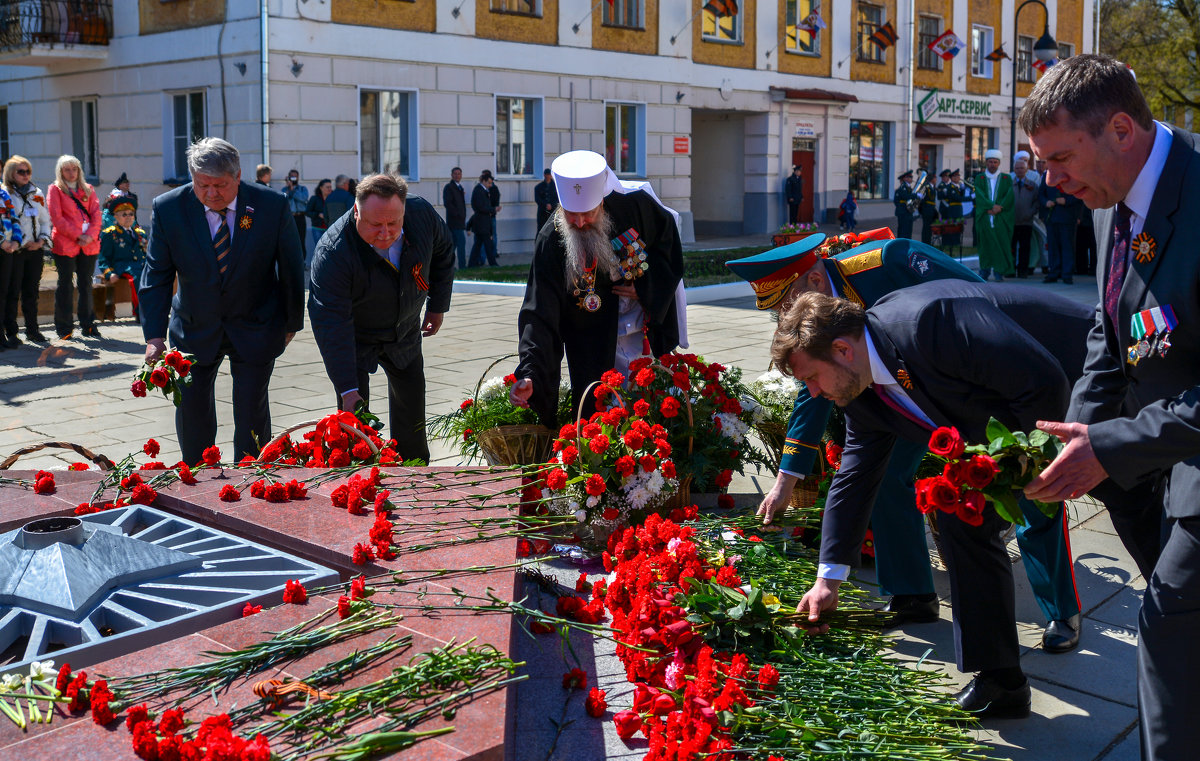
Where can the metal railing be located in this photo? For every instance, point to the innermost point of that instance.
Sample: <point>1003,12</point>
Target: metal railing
<point>24,23</point>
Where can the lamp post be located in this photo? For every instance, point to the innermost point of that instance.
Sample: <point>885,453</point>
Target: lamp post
<point>1045,49</point>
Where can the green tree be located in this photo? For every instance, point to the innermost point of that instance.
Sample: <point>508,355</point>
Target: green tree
<point>1160,40</point>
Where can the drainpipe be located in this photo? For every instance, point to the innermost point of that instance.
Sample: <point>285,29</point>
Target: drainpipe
<point>265,83</point>
<point>912,60</point>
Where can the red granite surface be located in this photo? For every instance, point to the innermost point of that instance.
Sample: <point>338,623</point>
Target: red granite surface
<point>313,528</point>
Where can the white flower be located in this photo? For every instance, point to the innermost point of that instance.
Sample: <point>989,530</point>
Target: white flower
<point>39,669</point>
<point>12,682</point>
<point>581,516</point>
<point>492,388</point>
<point>592,500</point>
<point>731,426</point>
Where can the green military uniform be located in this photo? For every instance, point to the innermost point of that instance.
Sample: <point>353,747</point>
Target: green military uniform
<point>122,252</point>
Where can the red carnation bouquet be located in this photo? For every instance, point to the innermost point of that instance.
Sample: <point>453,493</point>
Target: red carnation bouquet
<point>169,374</point>
<point>977,474</point>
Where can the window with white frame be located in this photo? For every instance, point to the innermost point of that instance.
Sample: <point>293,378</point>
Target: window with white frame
<point>187,126</point>
<point>870,18</point>
<point>387,132</point>
<point>805,41</point>
<point>1024,58</point>
<point>83,136</point>
<point>518,135</point>
<point>519,7</point>
<point>1065,50</point>
<point>929,28</point>
<point>981,45</point>
<point>5,150</point>
<point>625,137</point>
<point>623,13</point>
<point>721,21</point>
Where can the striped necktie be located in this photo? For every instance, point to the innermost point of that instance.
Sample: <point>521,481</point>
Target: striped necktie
<point>1117,264</point>
<point>221,240</point>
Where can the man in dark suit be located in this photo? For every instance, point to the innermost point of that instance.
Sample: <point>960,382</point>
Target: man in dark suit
<point>793,190</point>
<point>455,200</point>
<point>936,354</point>
<point>545,195</point>
<point>1134,416</point>
<point>233,249</point>
<point>482,223</point>
<point>374,272</point>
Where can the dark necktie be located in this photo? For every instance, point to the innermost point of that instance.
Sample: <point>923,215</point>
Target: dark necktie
<point>1118,264</point>
<point>890,402</point>
<point>221,240</point>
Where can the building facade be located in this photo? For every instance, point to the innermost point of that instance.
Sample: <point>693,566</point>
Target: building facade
<point>713,109</point>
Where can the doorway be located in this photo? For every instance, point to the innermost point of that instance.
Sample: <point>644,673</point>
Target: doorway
<point>929,159</point>
<point>804,155</point>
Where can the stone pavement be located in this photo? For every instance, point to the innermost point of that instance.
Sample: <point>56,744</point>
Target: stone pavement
<point>1084,702</point>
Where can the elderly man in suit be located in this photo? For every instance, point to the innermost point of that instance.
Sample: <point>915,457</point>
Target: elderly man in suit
<point>1134,417</point>
<point>232,248</point>
<point>936,354</point>
<point>374,272</point>
<point>864,274</point>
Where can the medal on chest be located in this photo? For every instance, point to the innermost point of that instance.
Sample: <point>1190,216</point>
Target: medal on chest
<point>632,252</point>
<point>1151,331</point>
<point>585,289</point>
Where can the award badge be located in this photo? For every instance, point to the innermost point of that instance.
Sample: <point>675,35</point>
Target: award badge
<point>1151,331</point>
<point>1143,248</point>
<point>588,300</point>
<point>633,264</point>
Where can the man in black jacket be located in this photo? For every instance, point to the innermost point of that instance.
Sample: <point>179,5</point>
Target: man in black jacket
<point>939,354</point>
<point>455,200</point>
<point>373,272</point>
<point>545,195</point>
<point>793,188</point>
<point>483,222</point>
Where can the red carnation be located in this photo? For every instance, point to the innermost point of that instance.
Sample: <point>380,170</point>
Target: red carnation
<point>669,407</point>
<point>627,723</point>
<point>979,471</point>
<point>171,721</point>
<point>641,408</point>
<point>598,444</point>
<point>78,466</point>
<point>575,679</point>
<point>358,588</point>
<point>294,592</point>
<point>466,405</point>
<point>277,492</point>
<point>362,554</point>
<point>768,676</point>
<point>250,610</point>
<point>64,677</point>
<point>644,377</point>
<point>136,715</point>
<point>296,490</point>
<point>143,495</point>
<point>610,514</point>
<point>185,473</point>
<point>668,469</point>
<point>344,606</point>
<point>595,485</point>
<point>556,479</point>
<point>258,749</point>
<point>567,431</point>
<point>723,478</point>
<point>258,489</point>
<point>569,454</point>
<point>211,456</point>
<point>833,454</point>
<point>648,463</point>
<point>725,501</point>
<point>595,705</point>
<point>229,494</point>
<point>680,379</point>
<point>625,466</point>
<point>541,627</point>
<point>44,485</point>
<point>946,442</point>
<point>138,388</point>
<point>151,448</point>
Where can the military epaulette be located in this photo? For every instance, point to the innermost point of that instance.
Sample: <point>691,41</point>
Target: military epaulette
<point>139,231</point>
<point>110,228</point>
<point>868,260</point>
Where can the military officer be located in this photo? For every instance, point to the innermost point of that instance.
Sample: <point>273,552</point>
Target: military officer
<point>903,194</point>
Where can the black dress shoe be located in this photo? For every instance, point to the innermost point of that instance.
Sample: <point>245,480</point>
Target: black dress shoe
<point>35,337</point>
<point>984,698</point>
<point>1049,279</point>
<point>1061,636</point>
<point>92,331</point>
<point>916,609</point>
<point>12,342</point>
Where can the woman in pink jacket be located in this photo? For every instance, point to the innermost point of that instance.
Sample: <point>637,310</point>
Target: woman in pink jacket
<point>75,214</point>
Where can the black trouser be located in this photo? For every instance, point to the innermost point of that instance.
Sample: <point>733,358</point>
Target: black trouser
<point>904,224</point>
<point>927,220</point>
<point>196,416</point>
<point>23,288</point>
<point>981,593</point>
<point>406,404</point>
<point>1136,516</point>
<point>301,225</point>
<point>484,244</point>
<point>793,212</point>
<point>6,270</point>
<point>1085,249</point>
<point>1021,240</point>
<point>1168,700</point>
<point>81,268</point>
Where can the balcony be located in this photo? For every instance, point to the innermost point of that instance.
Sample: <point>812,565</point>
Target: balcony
<point>46,32</point>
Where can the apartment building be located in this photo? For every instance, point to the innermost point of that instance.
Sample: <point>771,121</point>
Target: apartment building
<point>712,106</point>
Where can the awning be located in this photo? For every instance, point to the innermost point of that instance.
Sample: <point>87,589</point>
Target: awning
<point>812,93</point>
<point>937,130</point>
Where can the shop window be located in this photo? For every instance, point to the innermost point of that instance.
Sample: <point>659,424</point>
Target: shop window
<point>869,144</point>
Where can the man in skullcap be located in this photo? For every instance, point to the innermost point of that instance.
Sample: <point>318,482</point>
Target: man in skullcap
<point>994,204</point>
<point>605,284</point>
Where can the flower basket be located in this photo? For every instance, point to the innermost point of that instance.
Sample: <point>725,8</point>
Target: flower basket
<point>526,444</point>
<point>953,228</point>
<point>772,435</point>
<point>269,452</point>
<point>806,493</point>
<point>681,498</point>
<point>100,460</point>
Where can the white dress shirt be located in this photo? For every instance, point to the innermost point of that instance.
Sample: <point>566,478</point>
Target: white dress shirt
<point>214,220</point>
<point>1142,193</point>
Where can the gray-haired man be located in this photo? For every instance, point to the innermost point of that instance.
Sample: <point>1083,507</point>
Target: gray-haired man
<point>234,251</point>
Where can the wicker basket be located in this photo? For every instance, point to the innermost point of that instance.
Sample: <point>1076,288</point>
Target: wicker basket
<point>516,444</point>
<point>681,498</point>
<point>100,460</point>
<point>806,492</point>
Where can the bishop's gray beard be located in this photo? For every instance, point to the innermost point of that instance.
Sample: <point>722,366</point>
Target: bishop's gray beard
<point>590,244</point>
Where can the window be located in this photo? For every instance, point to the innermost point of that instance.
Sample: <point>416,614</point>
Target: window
<point>979,140</point>
<point>387,132</point>
<point>870,18</point>
<point>929,28</point>
<point>187,126</point>
<point>519,7</point>
<point>1024,59</point>
<point>724,24</point>
<point>626,13</point>
<point>981,45</point>
<point>801,40</point>
<point>869,159</point>
<point>83,136</point>
<point>5,151</point>
<point>1065,50</point>
<point>624,138</point>
<point>518,136</point>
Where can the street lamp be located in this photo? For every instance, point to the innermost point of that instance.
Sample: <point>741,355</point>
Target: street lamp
<point>1045,49</point>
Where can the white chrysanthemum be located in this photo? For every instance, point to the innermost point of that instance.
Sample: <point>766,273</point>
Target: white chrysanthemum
<point>492,388</point>
<point>731,426</point>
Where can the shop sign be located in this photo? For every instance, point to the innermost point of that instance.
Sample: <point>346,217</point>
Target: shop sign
<point>953,108</point>
<point>806,129</point>
<point>682,144</point>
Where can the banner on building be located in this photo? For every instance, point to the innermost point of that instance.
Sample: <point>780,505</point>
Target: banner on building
<point>928,107</point>
<point>947,45</point>
<point>884,36</point>
<point>997,55</point>
<point>812,23</point>
<point>949,108</point>
<point>1043,65</point>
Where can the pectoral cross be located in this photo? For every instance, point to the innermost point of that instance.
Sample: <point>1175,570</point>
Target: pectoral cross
<point>578,188</point>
